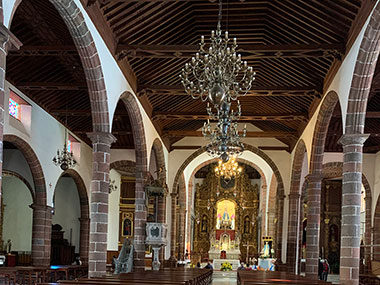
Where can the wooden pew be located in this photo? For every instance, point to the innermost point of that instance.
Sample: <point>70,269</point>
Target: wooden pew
<point>261,278</point>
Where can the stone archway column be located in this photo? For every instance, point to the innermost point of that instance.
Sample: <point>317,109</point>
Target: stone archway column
<point>84,239</point>
<point>173,230</point>
<point>313,221</point>
<point>140,223</point>
<point>162,219</point>
<point>293,232</point>
<point>101,144</point>
<point>279,225</point>
<point>41,234</point>
<point>351,203</point>
<point>182,226</point>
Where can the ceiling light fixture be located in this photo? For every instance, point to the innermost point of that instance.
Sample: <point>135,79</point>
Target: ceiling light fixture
<point>219,75</point>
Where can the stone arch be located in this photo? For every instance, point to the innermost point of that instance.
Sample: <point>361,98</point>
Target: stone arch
<point>277,174</point>
<point>314,182</point>
<point>84,214</point>
<point>138,131</point>
<point>41,229</point>
<point>294,207</point>
<point>159,153</point>
<point>34,165</point>
<point>89,57</point>
<point>127,166</point>
<point>362,76</point>
<point>27,184</point>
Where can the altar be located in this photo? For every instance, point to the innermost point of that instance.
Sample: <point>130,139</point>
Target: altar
<point>225,215</point>
<point>217,263</point>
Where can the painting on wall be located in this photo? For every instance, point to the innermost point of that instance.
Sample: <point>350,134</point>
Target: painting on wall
<point>127,225</point>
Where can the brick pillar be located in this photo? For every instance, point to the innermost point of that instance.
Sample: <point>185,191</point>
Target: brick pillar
<point>140,223</point>
<point>101,144</point>
<point>351,202</point>
<point>279,225</point>
<point>313,221</point>
<point>84,239</point>
<point>173,229</point>
<point>162,219</point>
<point>7,41</point>
<point>182,225</point>
<point>293,232</point>
<point>41,235</point>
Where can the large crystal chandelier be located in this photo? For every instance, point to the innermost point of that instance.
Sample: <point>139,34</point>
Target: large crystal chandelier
<point>219,75</point>
<point>228,170</point>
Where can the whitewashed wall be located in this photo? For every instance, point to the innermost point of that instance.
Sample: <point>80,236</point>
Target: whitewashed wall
<point>18,216</point>
<point>67,210</point>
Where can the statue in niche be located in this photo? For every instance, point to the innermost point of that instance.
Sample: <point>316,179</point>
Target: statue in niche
<point>204,224</point>
<point>127,227</point>
<point>246,225</point>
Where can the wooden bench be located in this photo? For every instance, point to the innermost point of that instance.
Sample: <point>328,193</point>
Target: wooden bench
<point>261,278</point>
<point>173,276</point>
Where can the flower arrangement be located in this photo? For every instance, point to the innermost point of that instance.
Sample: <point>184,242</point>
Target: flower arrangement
<point>226,266</point>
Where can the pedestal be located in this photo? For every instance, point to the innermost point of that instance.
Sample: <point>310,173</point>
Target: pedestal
<point>265,263</point>
<point>156,261</point>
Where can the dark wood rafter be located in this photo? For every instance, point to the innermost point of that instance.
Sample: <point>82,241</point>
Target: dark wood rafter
<point>247,51</point>
<point>295,47</point>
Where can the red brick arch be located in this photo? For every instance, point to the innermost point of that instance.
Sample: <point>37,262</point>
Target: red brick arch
<point>34,165</point>
<point>84,213</point>
<point>41,229</point>
<point>89,57</point>
<point>294,206</point>
<point>138,131</point>
<point>314,185</point>
<point>362,77</point>
<point>20,177</point>
<point>127,166</point>
<point>280,187</point>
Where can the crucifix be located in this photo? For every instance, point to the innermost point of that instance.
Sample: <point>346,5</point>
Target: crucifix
<point>248,246</point>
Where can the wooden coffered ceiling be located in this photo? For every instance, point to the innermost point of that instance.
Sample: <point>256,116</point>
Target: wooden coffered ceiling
<point>295,47</point>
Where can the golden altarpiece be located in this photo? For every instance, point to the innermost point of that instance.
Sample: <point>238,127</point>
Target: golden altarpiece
<point>226,214</point>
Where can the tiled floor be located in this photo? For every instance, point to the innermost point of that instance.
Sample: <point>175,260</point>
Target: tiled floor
<point>224,278</point>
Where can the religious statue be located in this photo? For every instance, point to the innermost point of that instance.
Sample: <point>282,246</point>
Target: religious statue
<point>266,250</point>
<point>8,247</point>
<point>127,227</point>
<point>226,216</point>
<point>204,224</point>
<point>246,225</point>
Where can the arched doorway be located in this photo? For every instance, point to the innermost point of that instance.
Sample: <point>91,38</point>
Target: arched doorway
<point>71,213</point>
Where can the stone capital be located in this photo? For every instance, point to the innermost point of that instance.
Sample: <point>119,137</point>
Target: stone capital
<point>353,139</point>
<point>41,207</point>
<point>313,177</point>
<point>8,40</point>
<point>84,220</point>
<point>101,137</point>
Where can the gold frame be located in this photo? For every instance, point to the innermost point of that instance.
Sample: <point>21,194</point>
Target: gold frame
<point>124,216</point>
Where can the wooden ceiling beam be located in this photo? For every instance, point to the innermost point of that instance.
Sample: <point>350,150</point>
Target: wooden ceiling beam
<point>52,86</point>
<point>288,91</point>
<point>193,147</point>
<point>248,51</point>
<point>45,50</point>
<point>264,134</point>
<point>269,117</point>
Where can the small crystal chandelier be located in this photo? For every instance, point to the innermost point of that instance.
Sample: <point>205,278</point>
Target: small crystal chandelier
<point>64,158</point>
<point>219,75</point>
<point>228,170</point>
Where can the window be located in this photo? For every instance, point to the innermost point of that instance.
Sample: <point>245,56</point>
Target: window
<point>14,109</point>
<point>69,145</point>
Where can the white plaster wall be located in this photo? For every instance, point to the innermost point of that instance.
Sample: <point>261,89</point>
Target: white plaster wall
<point>18,216</point>
<point>67,210</point>
<point>122,154</point>
<point>113,212</point>
<point>45,137</point>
